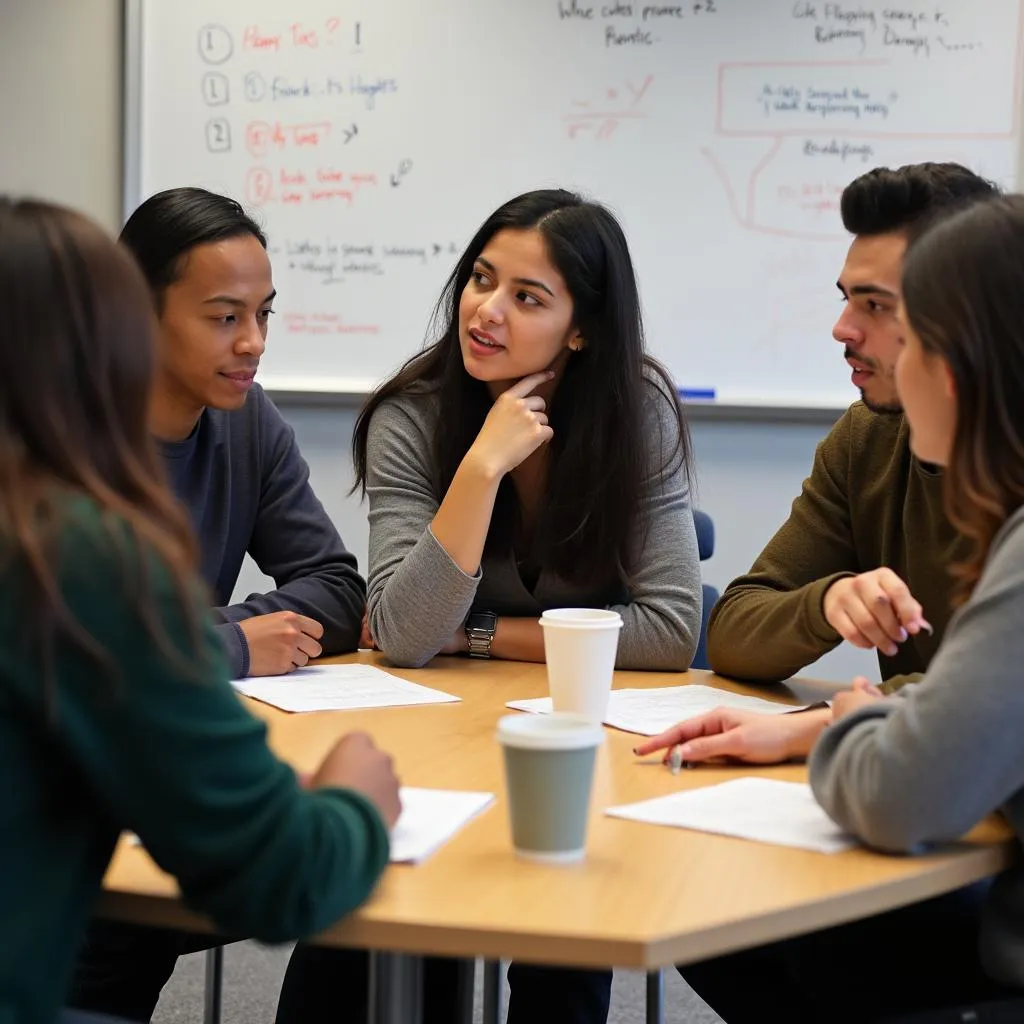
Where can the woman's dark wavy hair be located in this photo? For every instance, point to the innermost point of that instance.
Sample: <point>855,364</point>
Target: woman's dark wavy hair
<point>963,292</point>
<point>591,526</point>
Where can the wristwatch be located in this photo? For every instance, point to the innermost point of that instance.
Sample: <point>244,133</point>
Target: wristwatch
<point>480,629</point>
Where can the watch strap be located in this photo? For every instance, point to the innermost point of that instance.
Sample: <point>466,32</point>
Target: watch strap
<point>480,630</point>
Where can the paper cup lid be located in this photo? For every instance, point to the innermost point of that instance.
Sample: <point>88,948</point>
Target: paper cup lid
<point>560,730</point>
<point>585,618</point>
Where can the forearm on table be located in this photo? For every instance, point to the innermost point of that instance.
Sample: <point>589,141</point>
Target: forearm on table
<point>659,632</point>
<point>335,597</point>
<point>814,723</point>
<point>415,610</point>
<point>767,634</point>
<point>518,639</point>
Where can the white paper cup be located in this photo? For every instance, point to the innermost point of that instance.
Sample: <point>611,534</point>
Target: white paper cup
<point>580,645</point>
<point>549,773</point>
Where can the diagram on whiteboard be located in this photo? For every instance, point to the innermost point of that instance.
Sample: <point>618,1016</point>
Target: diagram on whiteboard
<point>838,113</point>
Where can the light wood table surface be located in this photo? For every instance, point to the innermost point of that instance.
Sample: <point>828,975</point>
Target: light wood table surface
<point>644,897</point>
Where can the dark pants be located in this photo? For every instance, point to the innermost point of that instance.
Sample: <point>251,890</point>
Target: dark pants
<point>75,1017</point>
<point>922,957</point>
<point>557,994</point>
<point>122,967</point>
<point>317,978</point>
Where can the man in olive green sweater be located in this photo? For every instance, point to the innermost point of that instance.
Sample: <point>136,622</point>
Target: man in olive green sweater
<point>866,551</point>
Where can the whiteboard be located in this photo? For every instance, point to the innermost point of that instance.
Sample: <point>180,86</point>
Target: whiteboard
<point>371,139</point>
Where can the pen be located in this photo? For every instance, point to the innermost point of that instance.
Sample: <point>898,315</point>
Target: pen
<point>675,759</point>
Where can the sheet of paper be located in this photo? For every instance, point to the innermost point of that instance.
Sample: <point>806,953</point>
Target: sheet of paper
<point>429,818</point>
<point>655,709</point>
<point>765,810</point>
<point>338,688</point>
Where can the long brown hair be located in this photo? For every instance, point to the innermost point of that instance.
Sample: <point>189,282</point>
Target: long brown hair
<point>600,455</point>
<point>963,291</point>
<point>76,365</point>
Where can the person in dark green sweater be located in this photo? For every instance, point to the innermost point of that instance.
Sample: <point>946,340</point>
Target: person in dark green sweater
<point>233,462</point>
<point>864,555</point>
<point>116,711</point>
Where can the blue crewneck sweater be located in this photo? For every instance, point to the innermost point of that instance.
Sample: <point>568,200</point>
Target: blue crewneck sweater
<point>246,487</point>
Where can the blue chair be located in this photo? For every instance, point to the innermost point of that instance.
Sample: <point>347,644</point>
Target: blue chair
<point>706,547</point>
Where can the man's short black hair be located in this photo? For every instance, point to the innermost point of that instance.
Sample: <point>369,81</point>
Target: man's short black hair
<point>883,200</point>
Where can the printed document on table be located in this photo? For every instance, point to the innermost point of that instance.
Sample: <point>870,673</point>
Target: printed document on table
<point>429,818</point>
<point>765,810</point>
<point>652,710</point>
<point>338,688</point>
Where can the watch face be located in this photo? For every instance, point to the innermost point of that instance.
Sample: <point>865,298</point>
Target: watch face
<point>482,620</point>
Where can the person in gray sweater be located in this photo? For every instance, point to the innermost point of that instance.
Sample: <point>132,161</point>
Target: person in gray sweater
<point>533,457</point>
<point>420,596</point>
<point>552,470</point>
<point>926,768</point>
<point>927,764</point>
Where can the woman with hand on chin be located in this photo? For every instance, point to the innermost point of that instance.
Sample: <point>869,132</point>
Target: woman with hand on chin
<point>533,457</point>
<point>926,765</point>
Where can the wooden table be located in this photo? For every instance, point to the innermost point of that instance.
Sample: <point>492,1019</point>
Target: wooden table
<point>644,897</point>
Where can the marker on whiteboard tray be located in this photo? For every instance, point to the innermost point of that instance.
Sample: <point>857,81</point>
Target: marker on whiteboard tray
<point>697,394</point>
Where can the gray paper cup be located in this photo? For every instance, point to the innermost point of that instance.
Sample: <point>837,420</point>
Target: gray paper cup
<point>549,771</point>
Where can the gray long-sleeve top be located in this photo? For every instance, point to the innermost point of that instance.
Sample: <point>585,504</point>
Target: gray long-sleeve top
<point>246,487</point>
<point>418,597</point>
<point>929,763</point>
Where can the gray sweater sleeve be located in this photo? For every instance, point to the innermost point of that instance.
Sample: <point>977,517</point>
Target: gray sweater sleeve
<point>417,596</point>
<point>928,764</point>
<point>661,623</point>
<point>294,541</point>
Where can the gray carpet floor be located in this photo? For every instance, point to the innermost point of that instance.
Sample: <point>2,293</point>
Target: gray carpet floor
<point>252,976</point>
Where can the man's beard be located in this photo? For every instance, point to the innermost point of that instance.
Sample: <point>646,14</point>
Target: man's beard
<point>883,408</point>
<point>892,408</point>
